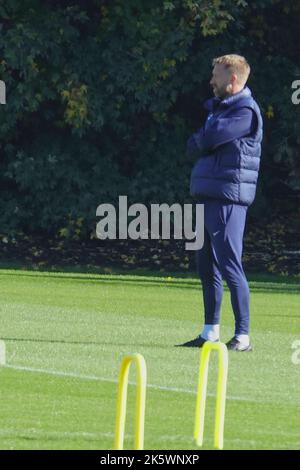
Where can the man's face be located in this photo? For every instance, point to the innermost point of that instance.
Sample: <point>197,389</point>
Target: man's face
<point>220,81</point>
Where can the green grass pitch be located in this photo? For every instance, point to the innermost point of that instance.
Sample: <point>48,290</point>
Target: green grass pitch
<point>66,335</point>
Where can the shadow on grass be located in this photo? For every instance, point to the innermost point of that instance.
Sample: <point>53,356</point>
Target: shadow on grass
<point>258,282</point>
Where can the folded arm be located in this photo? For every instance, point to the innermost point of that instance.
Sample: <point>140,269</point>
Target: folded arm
<point>221,131</point>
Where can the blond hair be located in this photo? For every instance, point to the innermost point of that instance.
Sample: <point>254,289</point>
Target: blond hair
<point>235,64</point>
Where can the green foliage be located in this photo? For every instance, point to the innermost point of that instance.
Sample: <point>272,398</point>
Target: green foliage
<point>102,96</point>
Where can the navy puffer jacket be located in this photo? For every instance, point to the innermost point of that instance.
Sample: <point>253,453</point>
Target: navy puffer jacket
<point>228,149</point>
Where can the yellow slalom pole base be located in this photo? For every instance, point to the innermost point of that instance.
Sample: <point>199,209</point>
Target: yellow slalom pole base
<point>221,393</point>
<point>140,401</point>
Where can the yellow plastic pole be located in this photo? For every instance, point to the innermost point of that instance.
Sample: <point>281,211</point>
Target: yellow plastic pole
<point>221,393</point>
<point>140,401</point>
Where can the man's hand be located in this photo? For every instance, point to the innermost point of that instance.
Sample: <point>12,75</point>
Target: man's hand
<point>193,150</point>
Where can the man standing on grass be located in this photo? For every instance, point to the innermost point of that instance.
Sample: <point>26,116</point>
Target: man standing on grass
<point>227,149</point>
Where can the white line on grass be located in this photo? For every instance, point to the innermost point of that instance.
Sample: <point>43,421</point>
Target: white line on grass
<point>104,379</point>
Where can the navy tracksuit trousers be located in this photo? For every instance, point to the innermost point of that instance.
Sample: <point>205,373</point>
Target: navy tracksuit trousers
<point>221,257</point>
